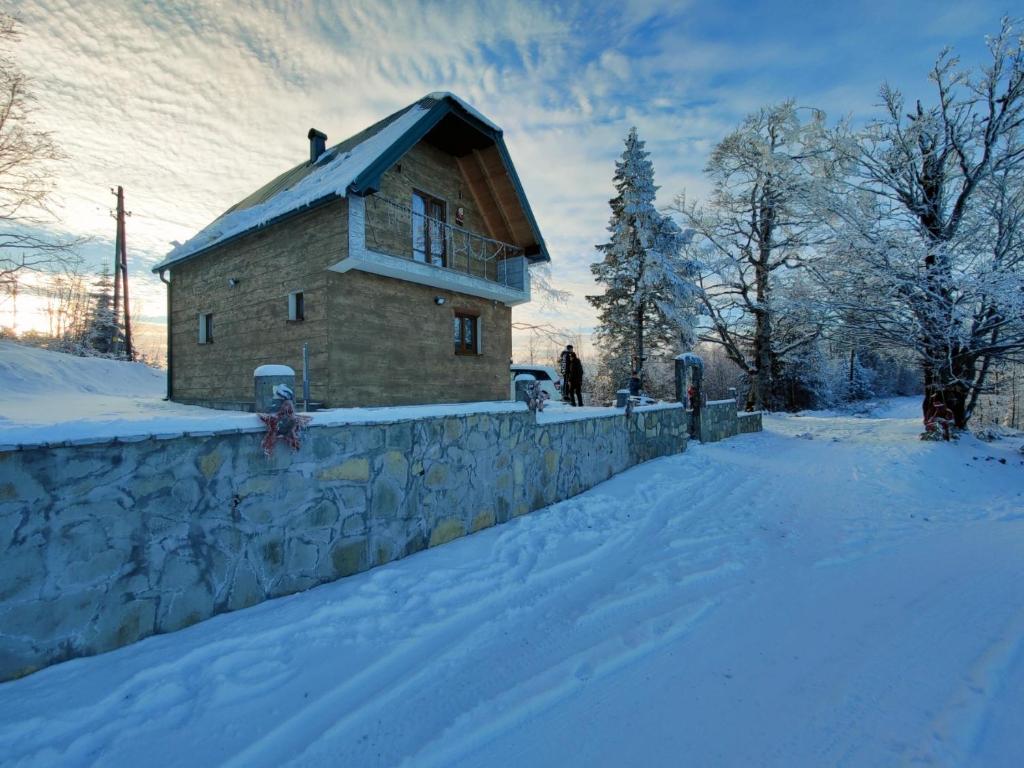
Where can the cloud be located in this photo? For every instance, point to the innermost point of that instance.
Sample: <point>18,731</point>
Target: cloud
<point>192,105</point>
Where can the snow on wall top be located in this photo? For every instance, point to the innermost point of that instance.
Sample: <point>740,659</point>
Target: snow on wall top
<point>52,398</point>
<point>274,370</point>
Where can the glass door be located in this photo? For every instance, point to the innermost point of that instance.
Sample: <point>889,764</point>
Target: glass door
<point>429,243</point>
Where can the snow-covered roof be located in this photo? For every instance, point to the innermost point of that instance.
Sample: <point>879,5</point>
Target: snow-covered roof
<point>338,169</point>
<point>442,95</point>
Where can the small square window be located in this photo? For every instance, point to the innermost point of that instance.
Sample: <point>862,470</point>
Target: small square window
<point>206,328</point>
<point>296,306</point>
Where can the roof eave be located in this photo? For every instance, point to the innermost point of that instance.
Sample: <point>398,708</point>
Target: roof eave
<point>368,181</point>
<point>165,265</point>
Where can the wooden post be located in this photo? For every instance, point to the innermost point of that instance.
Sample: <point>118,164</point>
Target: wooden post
<point>119,218</point>
<point>121,274</point>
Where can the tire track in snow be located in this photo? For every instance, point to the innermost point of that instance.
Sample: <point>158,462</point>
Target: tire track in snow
<point>558,636</point>
<point>554,634</point>
<point>394,673</point>
<point>540,693</point>
<point>957,730</point>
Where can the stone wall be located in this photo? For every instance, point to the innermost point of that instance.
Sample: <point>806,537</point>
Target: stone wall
<point>748,422</point>
<point>719,420</point>
<point>105,544</point>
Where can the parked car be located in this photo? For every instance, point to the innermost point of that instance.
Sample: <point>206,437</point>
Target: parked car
<point>549,378</point>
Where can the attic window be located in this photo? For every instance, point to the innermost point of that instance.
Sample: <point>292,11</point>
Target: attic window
<point>296,306</point>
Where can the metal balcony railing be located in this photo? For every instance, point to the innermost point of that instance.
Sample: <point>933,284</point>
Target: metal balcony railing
<point>398,230</point>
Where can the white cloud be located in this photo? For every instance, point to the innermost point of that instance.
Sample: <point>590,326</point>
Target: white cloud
<point>192,105</point>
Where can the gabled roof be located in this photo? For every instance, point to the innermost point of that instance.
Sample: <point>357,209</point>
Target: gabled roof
<point>353,166</point>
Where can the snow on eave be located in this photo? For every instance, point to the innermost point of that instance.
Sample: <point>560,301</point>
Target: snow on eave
<point>327,182</point>
<point>442,95</point>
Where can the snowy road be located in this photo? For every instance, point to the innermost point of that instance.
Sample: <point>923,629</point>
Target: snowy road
<point>830,592</point>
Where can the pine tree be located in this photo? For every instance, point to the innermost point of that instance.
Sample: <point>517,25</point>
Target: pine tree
<point>102,334</point>
<point>649,298</point>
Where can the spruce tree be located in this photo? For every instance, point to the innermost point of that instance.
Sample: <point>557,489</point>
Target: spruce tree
<point>102,333</point>
<point>648,303</point>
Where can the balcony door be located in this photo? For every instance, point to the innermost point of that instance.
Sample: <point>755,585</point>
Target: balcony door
<point>428,231</point>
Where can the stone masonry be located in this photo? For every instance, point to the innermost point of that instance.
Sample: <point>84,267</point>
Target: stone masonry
<point>719,420</point>
<point>104,544</point>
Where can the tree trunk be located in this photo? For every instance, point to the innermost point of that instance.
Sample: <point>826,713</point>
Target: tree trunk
<point>945,384</point>
<point>763,357</point>
<point>640,343</point>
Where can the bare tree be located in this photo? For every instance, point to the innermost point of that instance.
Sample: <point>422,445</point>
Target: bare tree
<point>27,158</point>
<point>929,221</point>
<point>760,224</point>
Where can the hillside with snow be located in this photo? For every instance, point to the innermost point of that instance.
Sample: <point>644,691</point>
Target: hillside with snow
<point>833,591</point>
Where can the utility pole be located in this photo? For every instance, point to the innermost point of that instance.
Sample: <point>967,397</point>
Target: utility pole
<point>121,273</point>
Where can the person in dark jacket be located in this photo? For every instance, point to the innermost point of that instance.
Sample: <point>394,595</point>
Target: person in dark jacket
<point>563,366</point>
<point>574,379</point>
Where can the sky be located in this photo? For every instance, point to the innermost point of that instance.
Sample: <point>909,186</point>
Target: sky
<point>193,105</point>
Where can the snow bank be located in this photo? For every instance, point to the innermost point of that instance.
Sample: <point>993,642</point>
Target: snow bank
<point>32,371</point>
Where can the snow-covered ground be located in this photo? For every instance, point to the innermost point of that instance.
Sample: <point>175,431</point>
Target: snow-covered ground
<point>51,397</point>
<point>851,596</point>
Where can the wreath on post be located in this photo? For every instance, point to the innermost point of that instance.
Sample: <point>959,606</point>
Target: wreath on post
<point>283,423</point>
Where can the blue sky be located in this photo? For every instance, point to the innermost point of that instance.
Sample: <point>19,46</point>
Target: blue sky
<point>192,105</point>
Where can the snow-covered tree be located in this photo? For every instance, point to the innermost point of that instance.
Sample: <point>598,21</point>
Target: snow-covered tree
<point>102,333</point>
<point>759,226</point>
<point>930,253</point>
<point>649,302</point>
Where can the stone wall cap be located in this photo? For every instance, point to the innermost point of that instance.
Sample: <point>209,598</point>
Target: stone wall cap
<point>558,415</point>
<point>273,370</point>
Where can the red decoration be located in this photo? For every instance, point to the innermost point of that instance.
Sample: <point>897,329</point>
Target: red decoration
<point>286,424</point>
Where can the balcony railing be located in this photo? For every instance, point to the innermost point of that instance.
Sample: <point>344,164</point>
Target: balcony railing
<point>392,228</point>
